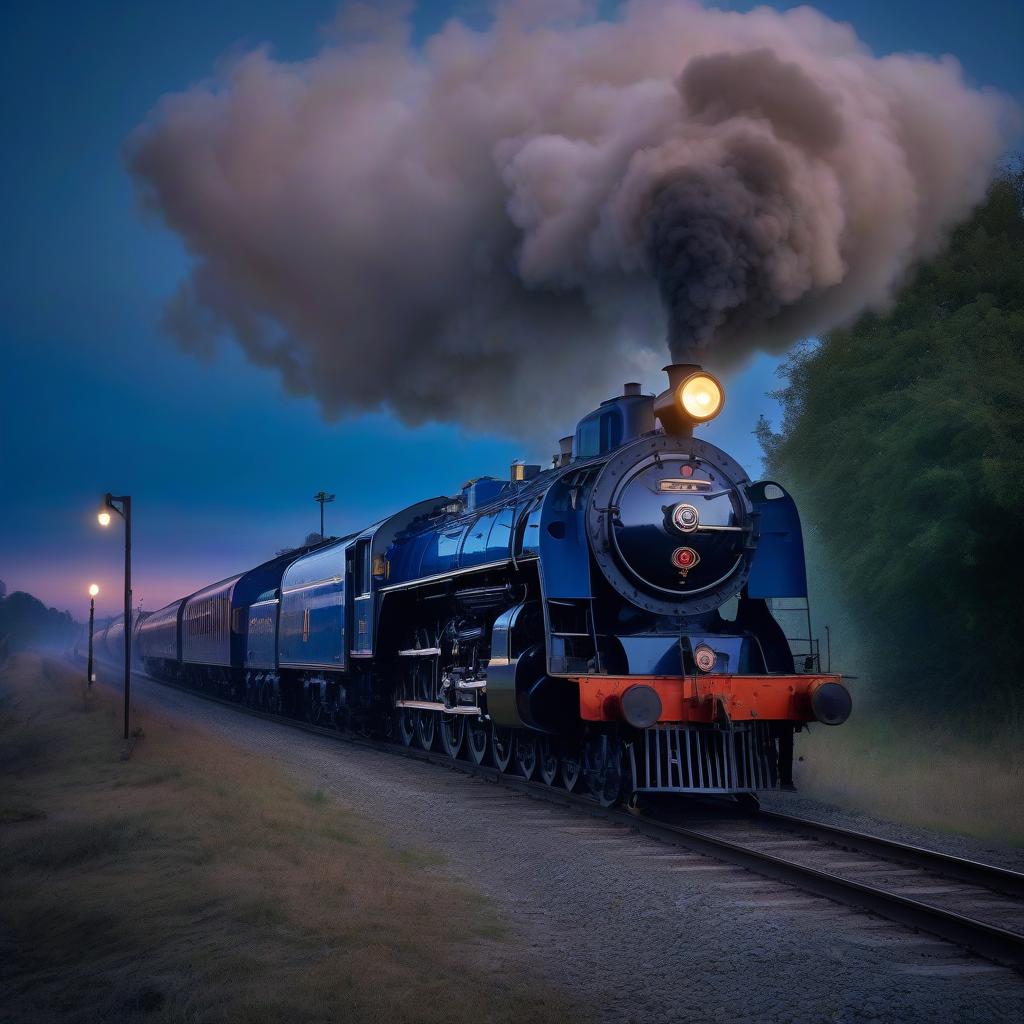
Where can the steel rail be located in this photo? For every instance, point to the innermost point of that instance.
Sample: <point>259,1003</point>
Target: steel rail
<point>973,872</point>
<point>992,942</point>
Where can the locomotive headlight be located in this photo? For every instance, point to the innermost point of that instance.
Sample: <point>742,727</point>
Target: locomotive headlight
<point>701,397</point>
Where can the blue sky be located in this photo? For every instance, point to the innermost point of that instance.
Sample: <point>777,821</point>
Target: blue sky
<point>221,462</point>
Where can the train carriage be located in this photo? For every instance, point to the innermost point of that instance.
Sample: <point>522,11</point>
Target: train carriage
<point>159,638</point>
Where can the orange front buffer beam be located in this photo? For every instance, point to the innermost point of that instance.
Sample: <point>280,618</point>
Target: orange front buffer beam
<point>788,698</point>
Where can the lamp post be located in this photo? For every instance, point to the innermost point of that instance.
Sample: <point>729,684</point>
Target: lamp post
<point>122,505</point>
<point>93,591</point>
<point>323,498</point>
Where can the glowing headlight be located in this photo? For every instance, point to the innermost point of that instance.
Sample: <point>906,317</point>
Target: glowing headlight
<point>701,397</point>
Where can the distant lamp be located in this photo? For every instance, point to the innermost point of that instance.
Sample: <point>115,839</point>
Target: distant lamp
<point>122,505</point>
<point>90,676</point>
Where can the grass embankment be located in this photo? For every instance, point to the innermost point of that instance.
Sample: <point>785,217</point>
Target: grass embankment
<point>917,773</point>
<point>195,882</point>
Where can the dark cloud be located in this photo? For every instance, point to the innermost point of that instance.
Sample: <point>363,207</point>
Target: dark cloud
<point>477,230</point>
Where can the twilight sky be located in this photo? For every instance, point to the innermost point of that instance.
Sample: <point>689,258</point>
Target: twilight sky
<point>222,464</point>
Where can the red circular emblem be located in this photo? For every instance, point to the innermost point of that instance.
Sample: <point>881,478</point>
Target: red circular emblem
<point>685,558</point>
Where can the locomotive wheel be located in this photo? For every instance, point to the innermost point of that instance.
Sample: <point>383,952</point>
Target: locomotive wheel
<point>548,760</point>
<point>453,731</point>
<point>602,768</point>
<point>501,747</point>
<point>524,751</point>
<point>406,726</point>
<point>477,735</point>
<point>570,770</point>
<point>426,729</point>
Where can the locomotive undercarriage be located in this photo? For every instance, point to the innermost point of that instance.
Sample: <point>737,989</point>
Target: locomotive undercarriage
<point>441,704</point>
<point>609,762</point>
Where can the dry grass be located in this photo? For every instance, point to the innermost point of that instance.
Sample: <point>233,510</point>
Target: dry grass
<point>195,883</point>
<point>920,774</point>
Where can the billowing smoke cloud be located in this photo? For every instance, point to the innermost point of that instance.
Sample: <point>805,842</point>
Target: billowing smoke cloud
<point>478,229</point>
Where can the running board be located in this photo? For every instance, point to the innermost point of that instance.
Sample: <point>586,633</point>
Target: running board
<point>431,705</point>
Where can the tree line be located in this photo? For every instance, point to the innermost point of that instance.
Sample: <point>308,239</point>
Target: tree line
<point>26,622</point>
<point>902,439</point>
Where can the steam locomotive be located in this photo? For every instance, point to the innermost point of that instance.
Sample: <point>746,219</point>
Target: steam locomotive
<point>609,623</point>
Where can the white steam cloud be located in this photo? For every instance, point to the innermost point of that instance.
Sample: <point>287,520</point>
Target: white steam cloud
<point>479,229</point>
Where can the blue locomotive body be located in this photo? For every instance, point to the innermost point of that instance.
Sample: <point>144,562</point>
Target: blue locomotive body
<point>586,622</point>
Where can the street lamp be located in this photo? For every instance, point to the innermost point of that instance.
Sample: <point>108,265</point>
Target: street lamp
<point>93,591</point>
<point>122,505</point>
<point>323,498</point>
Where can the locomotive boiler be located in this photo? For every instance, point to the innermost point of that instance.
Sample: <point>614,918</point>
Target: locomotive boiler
<point>609,622</point>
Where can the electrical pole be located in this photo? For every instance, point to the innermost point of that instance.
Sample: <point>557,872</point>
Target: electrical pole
<point>323,498</point>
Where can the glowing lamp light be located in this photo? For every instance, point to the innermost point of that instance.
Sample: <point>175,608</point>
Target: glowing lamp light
<point>701,397</point>
<point>93,589</point>
<point>104,518</point>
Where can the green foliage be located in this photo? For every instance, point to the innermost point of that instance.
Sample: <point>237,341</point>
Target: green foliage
<point>903,441</point>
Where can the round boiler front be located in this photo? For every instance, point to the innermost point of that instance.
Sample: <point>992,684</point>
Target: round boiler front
<point>670,525</point>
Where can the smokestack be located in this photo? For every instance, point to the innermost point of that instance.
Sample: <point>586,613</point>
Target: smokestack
<point>630,390</point>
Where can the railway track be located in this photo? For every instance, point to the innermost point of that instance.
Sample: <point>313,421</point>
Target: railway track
<point>974,905</point>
